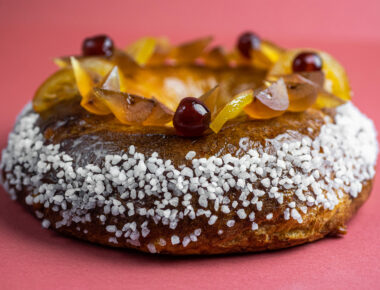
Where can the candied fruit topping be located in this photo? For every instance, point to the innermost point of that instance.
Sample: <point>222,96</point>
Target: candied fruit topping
<point>302,94</point>
<point>142,50</point>
<point>212,100</point>
<point>302,88</point>
<point>191,118</point>
<point>85,85</point>
<point>216,57</point>
<point>98,45</point>
<point>270,102</point>
<point>151,79</point>
<point>58,87</point>
<point>248,42</point>
<point>232,110</point>
<point>306,62</point>
<point>336,80</point>
<point>134,110</point>
<point>188,52</point>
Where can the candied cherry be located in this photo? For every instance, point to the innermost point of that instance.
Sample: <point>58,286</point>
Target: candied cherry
<point>306,62</point>
<point>191,118</point>
<point>247,42</point>
<point>97,45</point>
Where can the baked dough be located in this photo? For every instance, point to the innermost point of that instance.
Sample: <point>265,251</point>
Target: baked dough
<point>256,185</point>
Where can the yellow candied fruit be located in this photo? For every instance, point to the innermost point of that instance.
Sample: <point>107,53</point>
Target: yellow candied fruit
<point>142,50</point>
<point>97,67</point>
<point>58,87</point>
<point>232,109</point>
<point>85,85</point>
<point>267,55</point>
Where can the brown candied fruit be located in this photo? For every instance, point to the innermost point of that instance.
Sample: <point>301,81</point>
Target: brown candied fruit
<point>97,45</point>
<point>188,52</point>
<point>303,89</point>
<point>270,102</point>
<point>307,62</point>
<point>247,42</point>
<point>134,110</point>
<point>191,118</point>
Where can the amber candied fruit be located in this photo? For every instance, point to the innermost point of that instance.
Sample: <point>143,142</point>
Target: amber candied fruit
<point>58,87</point>
<point>134,110</point>
<point>146,82</point>
<point>270,102</point>
<point>302,89</point>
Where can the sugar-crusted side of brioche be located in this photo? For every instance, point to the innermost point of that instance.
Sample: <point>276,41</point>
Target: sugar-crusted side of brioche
<point>291,189</point>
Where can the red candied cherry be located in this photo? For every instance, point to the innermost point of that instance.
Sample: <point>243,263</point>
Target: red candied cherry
<point>307,62</point>
<point>247,42</point>
<point>97,45</point>
<point>191,118</point>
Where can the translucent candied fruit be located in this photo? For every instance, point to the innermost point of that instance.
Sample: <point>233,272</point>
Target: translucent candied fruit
<point>134,110</point>
<point>270,102</point>
<point>142,50</point>
<point>232,110</point>
<point>97,67</point>
<point>58,87</point>
<point>336,78</point>
<point>302,89</point>
<point>188,52</point>
<point>212,100</point>
<point>85,86</point>
<point>216,57</point>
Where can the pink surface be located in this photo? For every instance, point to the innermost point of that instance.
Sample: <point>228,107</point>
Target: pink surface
<point>32,32</point>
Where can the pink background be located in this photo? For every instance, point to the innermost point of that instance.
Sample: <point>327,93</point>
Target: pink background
<point>33,32</point>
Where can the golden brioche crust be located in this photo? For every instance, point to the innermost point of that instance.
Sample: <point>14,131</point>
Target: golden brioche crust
<point>88,139</point>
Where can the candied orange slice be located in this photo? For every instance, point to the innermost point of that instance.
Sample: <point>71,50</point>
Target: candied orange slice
<point>232,109</point>
<point>134,110</point>
<point>142,50</point>
<point>270,102</point>
<point>336,78</point>
<point>58,87</point>
<point>85,85</point>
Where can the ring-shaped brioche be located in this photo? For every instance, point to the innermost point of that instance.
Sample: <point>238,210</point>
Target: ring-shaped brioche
<point>255,185</point>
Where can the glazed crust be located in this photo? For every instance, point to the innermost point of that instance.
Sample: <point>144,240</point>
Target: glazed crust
<point>80,134</point>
